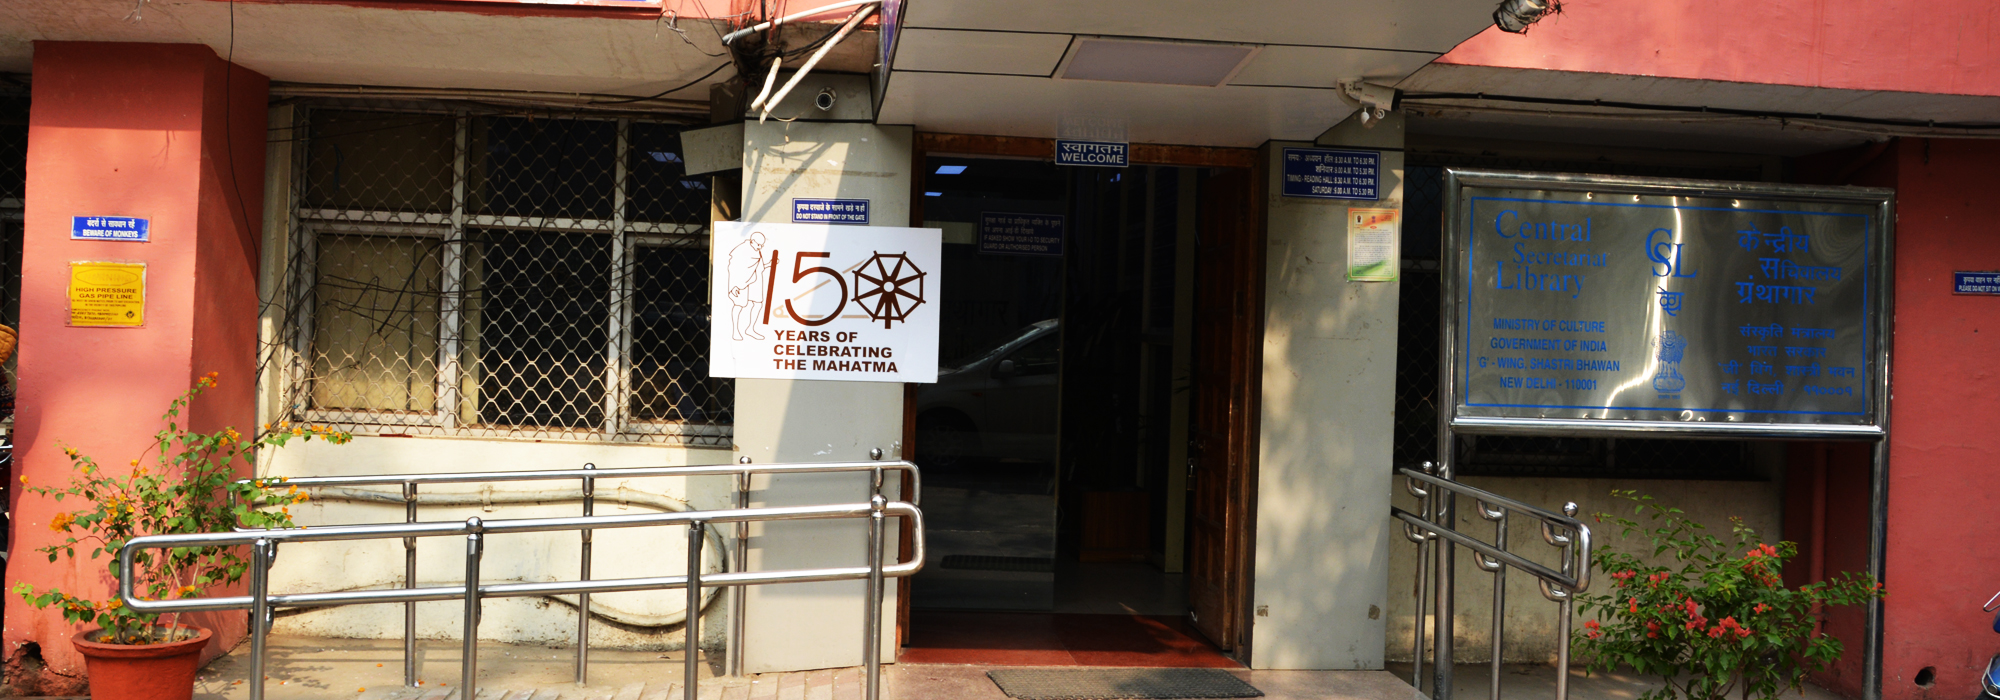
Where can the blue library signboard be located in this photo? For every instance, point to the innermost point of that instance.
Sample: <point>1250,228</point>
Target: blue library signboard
<point>1607,302</point>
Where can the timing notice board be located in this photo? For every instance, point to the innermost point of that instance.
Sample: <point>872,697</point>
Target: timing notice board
<point>1621,305</point>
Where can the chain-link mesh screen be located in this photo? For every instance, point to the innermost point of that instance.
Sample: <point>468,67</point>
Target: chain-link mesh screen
<point>1416,369</point>
<point>1417,392</point>
<point>13,150</point>
<point>13,193</point>
<point>499,276</point>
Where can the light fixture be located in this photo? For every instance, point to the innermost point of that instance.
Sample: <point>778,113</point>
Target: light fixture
<point>950,169</point>
<point>933,194</point>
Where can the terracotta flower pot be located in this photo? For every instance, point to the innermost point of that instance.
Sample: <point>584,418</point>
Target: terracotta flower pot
<point>142,671</point>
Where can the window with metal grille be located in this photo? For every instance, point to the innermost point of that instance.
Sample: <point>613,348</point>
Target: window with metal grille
<point>1417,392</point>
<point>489,275</point>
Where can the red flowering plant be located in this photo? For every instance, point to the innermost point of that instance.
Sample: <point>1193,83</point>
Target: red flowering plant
<point>185,483</point>
<point>1717,619</point>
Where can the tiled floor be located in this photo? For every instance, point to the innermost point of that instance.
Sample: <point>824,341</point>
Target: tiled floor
<point>305,668</point>
<point>932,682</point>
<point>1040,639</point>
<point>1131,588</point>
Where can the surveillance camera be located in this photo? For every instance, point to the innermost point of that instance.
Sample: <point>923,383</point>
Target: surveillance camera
<point>1375,100</point>
<point>1370,116</point>
<point>824,101</point>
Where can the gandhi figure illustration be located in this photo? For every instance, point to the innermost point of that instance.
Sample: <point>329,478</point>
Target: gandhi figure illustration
<point>746,287</point>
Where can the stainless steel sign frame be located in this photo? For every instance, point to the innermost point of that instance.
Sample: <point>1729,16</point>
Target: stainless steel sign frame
<point>1796,279</point>
<point>1613,306</point>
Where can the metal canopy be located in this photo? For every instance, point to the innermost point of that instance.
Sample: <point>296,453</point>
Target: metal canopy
<point>966,66</point>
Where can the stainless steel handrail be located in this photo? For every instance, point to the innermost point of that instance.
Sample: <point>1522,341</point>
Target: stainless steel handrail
<point>264,549</point>
<point>1561,585</point>
<point>587,477</point>
<point>591,472</point>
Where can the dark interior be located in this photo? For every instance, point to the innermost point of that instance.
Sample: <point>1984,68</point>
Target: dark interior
<point>1046,442</point>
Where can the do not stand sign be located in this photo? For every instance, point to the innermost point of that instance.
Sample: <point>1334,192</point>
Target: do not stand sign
<point>841,303</point>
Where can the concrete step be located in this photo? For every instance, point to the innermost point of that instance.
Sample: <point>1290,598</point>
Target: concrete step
<point>843,684</point>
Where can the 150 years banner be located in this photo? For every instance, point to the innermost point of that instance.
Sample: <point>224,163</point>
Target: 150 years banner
<point>811,301</point>
<point>1618,300</point>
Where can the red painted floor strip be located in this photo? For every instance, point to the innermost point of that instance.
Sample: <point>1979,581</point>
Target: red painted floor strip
<point>1042,639</point>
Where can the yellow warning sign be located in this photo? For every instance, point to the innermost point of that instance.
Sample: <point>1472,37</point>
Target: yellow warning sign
<point>107,294</point>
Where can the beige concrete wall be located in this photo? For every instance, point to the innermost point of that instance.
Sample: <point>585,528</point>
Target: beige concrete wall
<point>1322,536</point>
<point>1531,620</point>
<point>818,625</point>
<point>649,620</point>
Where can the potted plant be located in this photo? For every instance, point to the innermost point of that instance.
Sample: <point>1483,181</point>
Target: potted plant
<point>185,483</point>
<point>1718,619</point>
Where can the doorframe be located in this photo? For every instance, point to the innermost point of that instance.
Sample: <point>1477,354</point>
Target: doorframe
<point>1251,335</point>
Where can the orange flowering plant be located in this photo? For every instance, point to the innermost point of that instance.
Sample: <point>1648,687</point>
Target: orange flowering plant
<point>1719,620</point>
<point>186,483</point>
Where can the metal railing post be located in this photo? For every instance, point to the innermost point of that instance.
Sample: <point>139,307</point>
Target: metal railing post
<point>1562,649</point>
<point>691,665</point>
<point>871,657</point>
<point>409,581</point>
<point>1424,545</point>
<point>1446,514</point>
<point>1569,568</point>
<point>468,674</point>
<point>1499,569</point>
<point>583,599</point>
<point>261,553</point>
<point>739,595</point>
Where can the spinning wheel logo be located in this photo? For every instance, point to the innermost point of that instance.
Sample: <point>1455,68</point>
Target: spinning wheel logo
<point>889,286</point>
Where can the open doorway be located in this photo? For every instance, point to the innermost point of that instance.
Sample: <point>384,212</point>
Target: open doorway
<point>1059,443</point>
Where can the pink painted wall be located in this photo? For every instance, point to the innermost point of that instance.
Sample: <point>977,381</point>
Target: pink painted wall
<point>1838,545</point>
<point>1944,488</point>
<point>1942,484</point>
<point>1946,46</point>
<point>131,130</point>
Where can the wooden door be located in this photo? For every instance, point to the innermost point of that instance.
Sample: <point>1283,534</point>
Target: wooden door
<point>1227,324</point>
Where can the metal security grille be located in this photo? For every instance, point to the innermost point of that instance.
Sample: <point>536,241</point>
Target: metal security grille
<point>13,193</point>
<point>488,275</point>
<point>1417,393</point>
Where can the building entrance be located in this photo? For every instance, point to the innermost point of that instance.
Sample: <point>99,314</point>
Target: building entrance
<point>1058,443</point>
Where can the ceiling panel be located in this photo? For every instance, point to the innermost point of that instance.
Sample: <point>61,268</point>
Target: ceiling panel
<point>1311,66</point>
<point>1159,62</point>
<point>1795,99</point>
<point>1032,106</point>
<point>1006,53</point>
<point>328,43</point>
<point>1418,25</point>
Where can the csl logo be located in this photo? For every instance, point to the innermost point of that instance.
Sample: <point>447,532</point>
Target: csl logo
<point>1666,255</point>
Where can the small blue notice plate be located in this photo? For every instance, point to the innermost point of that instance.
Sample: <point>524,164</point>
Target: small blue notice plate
<point>1326,174</point>
<point>830,211</point>
<point>1103,154</point>
<point>109,228</point>
<point>1987,283</point>
<point>1001,233</point>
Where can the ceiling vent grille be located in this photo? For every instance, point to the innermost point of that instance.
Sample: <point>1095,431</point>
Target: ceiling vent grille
<point>1155,62</point>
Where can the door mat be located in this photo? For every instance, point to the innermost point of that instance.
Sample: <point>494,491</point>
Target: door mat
<point>1120,683</point>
